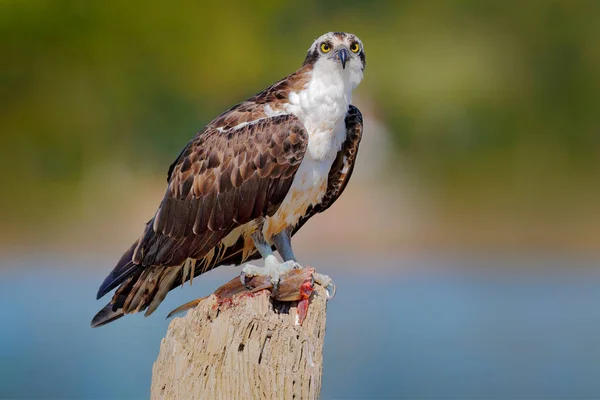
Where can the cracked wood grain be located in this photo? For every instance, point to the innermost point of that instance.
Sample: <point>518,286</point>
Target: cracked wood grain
<point>248,348</point>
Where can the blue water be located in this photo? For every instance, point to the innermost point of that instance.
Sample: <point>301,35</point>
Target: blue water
<point>436,327</point>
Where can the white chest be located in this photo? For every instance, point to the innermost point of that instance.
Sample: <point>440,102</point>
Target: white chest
<point>322,107</point>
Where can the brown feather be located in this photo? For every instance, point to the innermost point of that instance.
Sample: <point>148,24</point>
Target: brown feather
<point>224,178</point>
<point>163,288</point>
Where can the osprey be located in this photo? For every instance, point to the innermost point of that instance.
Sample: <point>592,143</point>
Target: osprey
<point>245,184</point>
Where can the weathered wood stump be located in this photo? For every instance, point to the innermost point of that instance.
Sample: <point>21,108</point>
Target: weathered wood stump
<point>248,346</point>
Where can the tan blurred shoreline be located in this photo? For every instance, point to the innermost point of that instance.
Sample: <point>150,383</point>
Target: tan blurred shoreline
<point>368,218</point>
<point>482,131</point>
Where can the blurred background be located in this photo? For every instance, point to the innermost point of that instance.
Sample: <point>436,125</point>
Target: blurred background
<point>465,248</point>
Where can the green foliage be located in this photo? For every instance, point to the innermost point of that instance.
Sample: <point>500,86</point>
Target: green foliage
<point>470,89</point>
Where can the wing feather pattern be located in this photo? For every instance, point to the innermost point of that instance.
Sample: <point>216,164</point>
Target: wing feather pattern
<point>225,167</point>
<point>338,179</point>
<point>223,179</point>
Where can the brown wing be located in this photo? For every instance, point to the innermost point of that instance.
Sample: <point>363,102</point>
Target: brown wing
<point>223,179</point>
<point>339,177</point>
<point>275,96</point>
<point>342,167</point>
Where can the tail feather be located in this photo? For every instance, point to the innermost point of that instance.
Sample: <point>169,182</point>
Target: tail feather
<point>123,270</point>
<point>144,287</point>
<point>162,290</point>
<point>106,315</point>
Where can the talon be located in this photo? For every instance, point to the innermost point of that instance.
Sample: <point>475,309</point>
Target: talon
<point>243,278</point>
<point>274,277</point>
<point>327,283</point>
<point>330,291</point>
<point>272,269</point>
<point>249,271</point>
<point>275,288</point>
<point>288,266</point>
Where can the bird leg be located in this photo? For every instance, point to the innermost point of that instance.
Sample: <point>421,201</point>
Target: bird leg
<point>287,280</point>
<point>273,268</point>
<point>283,244</point>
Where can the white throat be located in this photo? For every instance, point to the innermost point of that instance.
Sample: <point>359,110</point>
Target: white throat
<point>322,107</point>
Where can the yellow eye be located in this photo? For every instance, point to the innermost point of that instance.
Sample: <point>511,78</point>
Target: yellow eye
<point>325,47</point>
<point>354,47</point>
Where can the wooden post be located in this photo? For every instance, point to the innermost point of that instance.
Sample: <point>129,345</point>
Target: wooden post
<point>247,347</point>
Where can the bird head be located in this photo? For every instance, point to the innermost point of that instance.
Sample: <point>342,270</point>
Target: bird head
<point>340,52</point>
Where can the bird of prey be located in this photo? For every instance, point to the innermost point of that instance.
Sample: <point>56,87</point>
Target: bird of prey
<point>246,183</point>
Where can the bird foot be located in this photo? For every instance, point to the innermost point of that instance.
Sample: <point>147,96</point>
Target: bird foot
<point>272,269</point>
<point>290,282</point>
<point>293,283</point>
<point>327,283</point>
<point>275,270</point>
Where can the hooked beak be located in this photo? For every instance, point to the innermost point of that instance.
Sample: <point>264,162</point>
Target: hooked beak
<point>342,55</point>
